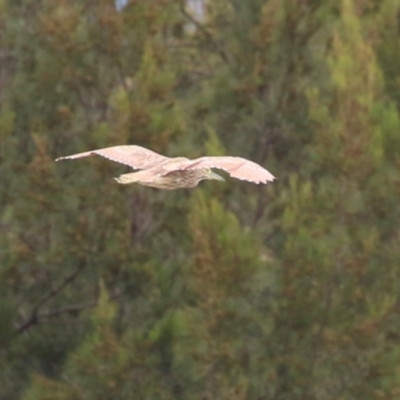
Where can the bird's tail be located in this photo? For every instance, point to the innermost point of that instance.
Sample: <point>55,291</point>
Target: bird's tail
<point>125,179</point>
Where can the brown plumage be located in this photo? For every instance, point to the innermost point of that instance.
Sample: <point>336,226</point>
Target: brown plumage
<point>166,173</point>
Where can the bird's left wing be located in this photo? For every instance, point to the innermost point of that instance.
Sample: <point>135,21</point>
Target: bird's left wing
<point>136,157</point>
<point>237,167</point>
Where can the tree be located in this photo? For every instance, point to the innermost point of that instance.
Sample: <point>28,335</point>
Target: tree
<point>232,291</point>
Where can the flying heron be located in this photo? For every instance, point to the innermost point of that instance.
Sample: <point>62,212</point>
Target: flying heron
<point>166,173</point>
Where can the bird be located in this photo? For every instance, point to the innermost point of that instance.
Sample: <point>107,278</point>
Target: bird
<point>165,173</point>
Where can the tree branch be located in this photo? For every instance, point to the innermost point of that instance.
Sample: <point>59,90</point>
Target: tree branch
<point>205,32</point>
<point>34,315</point>
<point>73,308</point>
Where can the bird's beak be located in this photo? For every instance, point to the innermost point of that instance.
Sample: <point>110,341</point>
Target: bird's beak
<point>213,175</point>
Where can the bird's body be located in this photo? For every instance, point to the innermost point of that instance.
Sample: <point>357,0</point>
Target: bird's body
<point>166,173</point>
<point>174,180</point>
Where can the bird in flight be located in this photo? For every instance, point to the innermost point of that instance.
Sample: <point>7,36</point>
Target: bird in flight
<point>161,172</point>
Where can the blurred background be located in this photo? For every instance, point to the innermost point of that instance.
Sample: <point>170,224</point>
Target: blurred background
<point>230,290</point>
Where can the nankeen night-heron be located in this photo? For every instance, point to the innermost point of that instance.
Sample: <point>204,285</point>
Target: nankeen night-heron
<point>166,173</point>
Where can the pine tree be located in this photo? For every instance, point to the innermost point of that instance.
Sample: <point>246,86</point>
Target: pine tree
<point>230,290</point>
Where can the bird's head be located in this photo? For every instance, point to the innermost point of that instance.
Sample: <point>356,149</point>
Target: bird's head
<point>209,174</point>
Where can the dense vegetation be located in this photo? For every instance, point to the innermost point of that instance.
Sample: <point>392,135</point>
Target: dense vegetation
<point>230,290</point>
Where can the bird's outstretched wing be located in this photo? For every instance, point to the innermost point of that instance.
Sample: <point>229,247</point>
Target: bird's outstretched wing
<point>136,157</point>
<point>236,167</point>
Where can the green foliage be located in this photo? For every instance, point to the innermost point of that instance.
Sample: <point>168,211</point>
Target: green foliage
<point>228,291</point>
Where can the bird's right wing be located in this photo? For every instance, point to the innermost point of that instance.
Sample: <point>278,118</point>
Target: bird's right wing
<point>136,157</point>
<point>237,167</point>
